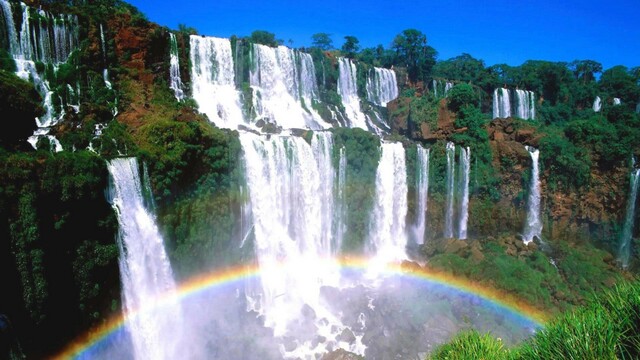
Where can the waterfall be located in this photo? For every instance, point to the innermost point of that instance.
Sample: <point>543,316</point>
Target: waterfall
<point>340,215</point>
<point>348,90</point>
<point>213,81</point>
<point>597,104</point>
<point>448,220</point>
<point>322,147</point>
<point>616,101</point>
<point>308,83</point>
<point>533,226</point>
<point>154,315</point>
<point>422,191</point>
<point>382,86</point>
<point>387,233</point>
<point>293,227</point>
<point>42,38</point>
<point>525,104</point>
<point>175,82</point>
<point>7,14</point>
<point>624,250</point>
<point>501,103</point>
<point>280,87</point>
<point>463,216</point>
<point>103,45</point>
<point>441,88</point>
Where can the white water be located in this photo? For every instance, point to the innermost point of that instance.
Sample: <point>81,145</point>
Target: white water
<point>422,192</point>
<point>382,86</point>
<point>212,81</point>
<point>441,88</point>
<point>597,104</point>
<point>624,250</point>
<point>533,226</point>
<point>293,225</point>
<point>463,216</point>
<point>50,40</point>
<point>340,215</point>
<point>279,91</point>
<point>616,101</point>
<point>448,219</point>
<point>155,318</point>
<point>175,82</point>
<point>348,90</point>
<point>501,103</point>
<point>525,104</point>
<point>387,232</point>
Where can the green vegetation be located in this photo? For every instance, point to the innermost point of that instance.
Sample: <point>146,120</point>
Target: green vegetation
<point>555,281</point>
<point>19,106</point>
<point>413,53</point>
<point>350,47</point>
<point>362,150</point>
<point>605,328</point>
<point>322,41</point>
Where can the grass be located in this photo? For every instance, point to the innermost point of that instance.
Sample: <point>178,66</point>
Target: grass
<point>607,327</point>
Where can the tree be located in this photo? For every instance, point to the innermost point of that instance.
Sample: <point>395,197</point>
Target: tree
<point>619,82</point>
<point>413,52</point>
<point>468,69</point>
<point>461,95</point>
<point>350,47</point>
<point>322,41</point>
<point>585,70</point>
<point>264,37</point>
<point>19,106</point>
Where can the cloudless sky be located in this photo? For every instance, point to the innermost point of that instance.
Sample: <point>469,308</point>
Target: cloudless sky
<point>497,32</point>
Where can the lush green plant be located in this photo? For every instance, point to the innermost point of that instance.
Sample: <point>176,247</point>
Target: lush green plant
<point>350,47</point>
<point>413,53</point>
<point>362,150</point>
<point>471,345</point>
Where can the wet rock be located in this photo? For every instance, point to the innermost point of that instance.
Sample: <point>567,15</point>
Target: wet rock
<point>289,343</point>
<point>341,354</point>
<point>307,312</point>
<point>347,336</point>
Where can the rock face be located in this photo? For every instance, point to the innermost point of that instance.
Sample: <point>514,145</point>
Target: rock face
<point>341,354</point>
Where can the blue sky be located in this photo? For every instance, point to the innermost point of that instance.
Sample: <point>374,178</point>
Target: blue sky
<point>495,31</point>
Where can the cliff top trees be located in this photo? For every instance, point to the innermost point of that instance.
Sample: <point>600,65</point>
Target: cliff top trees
<point>322,41</point>
<point>350,47</point>
<point>413,52</point>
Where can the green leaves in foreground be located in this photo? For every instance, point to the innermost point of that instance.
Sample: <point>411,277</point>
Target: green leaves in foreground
<point>472,345</point>
<point>607,328</point>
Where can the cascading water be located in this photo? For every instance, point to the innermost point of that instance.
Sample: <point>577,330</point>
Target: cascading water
<point>463,216</point>
<point>441,87</point>
<point>348,90</point>
<point>382,86</point>
<point>624,250</point>
<point>154,319</point>
<point>597,104</point>
<point>387,234</point>
<point>616,101</point>
<point>293,228</point>
<point>525,104</point>
<point>340,214</point>
<point>280,87</point>
<point>448,219</point>
<point>501,103</point>
<point>42,38</point>
<point>175,82</point>
<point>213,81</point>
<point>105,71</point>
<point>533,226</point>
<point>422,191</point>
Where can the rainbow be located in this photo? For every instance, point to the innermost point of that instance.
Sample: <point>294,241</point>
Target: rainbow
<point>217,279</point>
